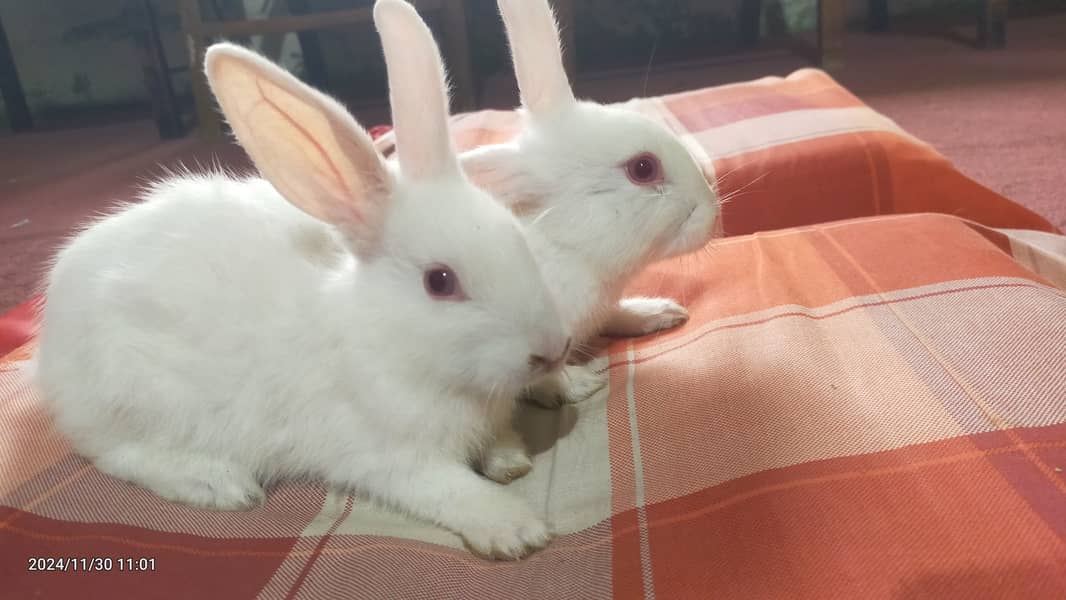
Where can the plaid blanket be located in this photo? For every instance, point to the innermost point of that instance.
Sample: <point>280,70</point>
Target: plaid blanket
<point>869,408</point>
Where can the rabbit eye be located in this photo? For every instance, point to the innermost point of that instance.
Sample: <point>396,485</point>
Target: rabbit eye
<point>644,169</point>
<point>441,283</point>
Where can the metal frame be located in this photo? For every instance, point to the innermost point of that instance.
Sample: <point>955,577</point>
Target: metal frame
<point>197,34</point>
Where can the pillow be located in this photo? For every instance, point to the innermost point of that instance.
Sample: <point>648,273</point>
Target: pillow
<point>865,408</point>
<point>796,151</point>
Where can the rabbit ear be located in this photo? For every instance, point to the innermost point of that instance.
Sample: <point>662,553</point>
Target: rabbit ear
<point>418,92</point>
<point>536,54</point>
<point>501,170</point>
<point>302,141</point>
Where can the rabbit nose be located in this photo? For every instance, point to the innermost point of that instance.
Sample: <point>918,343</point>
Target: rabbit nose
<point>538,362</point>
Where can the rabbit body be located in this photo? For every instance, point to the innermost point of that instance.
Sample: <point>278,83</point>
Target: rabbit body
<point>603,191</point>
<point>237,328</point>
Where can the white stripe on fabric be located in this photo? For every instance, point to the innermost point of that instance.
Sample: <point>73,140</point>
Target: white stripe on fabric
<point>638,476</point>
<point>758,133</point>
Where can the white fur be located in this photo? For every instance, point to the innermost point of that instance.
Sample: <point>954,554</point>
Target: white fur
<point>589,226</point>
<point>227,333</point>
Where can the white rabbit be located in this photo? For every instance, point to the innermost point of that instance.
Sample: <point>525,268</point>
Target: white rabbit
<point>341,318</point>
<point>604,191</point>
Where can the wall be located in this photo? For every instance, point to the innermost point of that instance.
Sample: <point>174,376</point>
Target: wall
<point>78,52</point>
<point>67,54</point>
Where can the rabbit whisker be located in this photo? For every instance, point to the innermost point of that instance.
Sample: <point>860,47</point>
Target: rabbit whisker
<point>585,351</point>
<point>651,59</point>
<point>733,193</point>
<point>719,179</point>
<point>541,216</point>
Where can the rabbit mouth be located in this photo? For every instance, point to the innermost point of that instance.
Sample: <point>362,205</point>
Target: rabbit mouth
<point>691,211</point>
<point>682,241</point>
<point>684,222</point>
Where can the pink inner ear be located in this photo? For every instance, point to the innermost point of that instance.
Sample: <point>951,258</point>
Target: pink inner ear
<point>332,172</point>
<point>297,139</point>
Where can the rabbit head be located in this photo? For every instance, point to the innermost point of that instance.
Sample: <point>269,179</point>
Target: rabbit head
<point>611,183</point>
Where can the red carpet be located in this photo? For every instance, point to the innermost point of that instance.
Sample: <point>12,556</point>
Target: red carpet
<point>1000,116</point>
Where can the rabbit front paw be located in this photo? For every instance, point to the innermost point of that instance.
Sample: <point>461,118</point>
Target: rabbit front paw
<point>635,317</point>
<point>576,383</point>
<point>583,382</point>
<point>507,534</point>
<point>504,464</point>
<point>669,314</point>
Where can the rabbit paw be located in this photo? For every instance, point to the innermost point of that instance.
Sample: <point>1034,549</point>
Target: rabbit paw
<point>189,479</point>
<point>635,317</point>
<point>583,383</point>
<point>669,314</point>
<point>574,384</point>
<point>507,535</point>
<point>226,494</point>
<point>504,464</point>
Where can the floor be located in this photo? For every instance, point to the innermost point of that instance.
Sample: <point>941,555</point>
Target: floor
<point>1000,116</point>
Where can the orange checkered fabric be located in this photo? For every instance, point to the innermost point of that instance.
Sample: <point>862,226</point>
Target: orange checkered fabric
<point>872,407</point>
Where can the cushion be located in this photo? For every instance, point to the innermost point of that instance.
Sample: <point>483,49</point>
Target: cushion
<point>796,151</point>
<point>869,408</point>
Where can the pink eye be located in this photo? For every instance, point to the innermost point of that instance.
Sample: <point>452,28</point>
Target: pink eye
<point>644,169</point>
<point>441,283</point>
